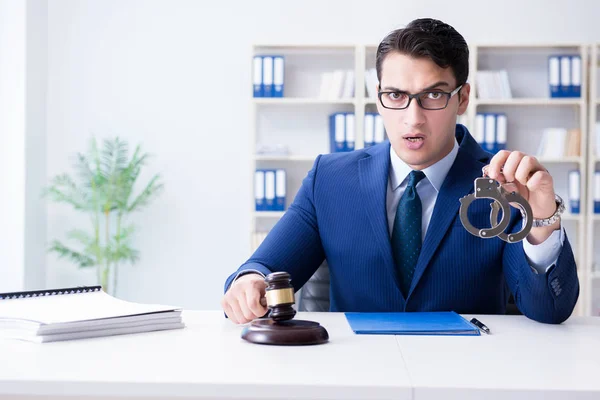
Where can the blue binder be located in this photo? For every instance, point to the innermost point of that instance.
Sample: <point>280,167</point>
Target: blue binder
<point>554,76</point>
<point>490,133</point>
<point>259,190</point>
<point>411,323</point>
<point>574,191</point>
<point>369,129</point>
<point>278,76</point>
<point>575,76</point>
<point>257,77</point>
<point>267,76</point>
<point>596,192</point>
<point>337,132</point>
<point>280,189</point>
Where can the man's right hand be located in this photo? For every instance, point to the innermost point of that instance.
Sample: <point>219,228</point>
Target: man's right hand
<point>245,300</point>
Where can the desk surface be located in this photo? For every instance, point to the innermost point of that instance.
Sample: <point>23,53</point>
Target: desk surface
<point>522,359</point>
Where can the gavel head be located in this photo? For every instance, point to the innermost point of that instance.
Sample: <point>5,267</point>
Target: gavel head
<point>280,296</point>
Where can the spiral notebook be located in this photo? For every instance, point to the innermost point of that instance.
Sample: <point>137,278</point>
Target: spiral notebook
<point>76,313</point>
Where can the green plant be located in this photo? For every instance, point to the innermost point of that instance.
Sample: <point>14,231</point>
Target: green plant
<point>103,189</point>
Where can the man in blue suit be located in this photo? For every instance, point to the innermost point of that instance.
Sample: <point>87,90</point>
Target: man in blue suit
<point>386,217</point>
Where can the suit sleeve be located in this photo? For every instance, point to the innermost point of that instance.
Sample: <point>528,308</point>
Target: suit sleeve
<point>549,297</point>
<point>294,244</point>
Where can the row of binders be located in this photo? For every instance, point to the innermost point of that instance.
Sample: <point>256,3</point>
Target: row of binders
<point>342,131</point>
<point>564,76</point>
<point>559,142</point>
<point>575,192</point>
<point>491,131</point>
<point>270,189</point>
<point>493,85</point>
<point>337,84</point>
<point>268,76</point>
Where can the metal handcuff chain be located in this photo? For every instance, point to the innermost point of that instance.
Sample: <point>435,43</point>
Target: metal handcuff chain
<point>488,188</point>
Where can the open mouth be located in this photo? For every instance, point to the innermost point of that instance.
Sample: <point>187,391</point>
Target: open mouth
<point>414,139</point>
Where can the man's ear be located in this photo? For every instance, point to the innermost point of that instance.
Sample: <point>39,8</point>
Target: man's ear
<point>463,98</point>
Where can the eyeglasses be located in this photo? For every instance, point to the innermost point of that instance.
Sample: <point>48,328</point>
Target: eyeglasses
<point>428,100</point>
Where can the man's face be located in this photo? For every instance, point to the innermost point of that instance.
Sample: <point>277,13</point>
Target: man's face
<point>420,137</point>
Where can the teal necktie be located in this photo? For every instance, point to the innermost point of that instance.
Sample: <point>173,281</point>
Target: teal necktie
<point>406,233</point>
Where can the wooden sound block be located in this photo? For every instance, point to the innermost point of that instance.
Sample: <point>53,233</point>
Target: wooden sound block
<point>288,333</point>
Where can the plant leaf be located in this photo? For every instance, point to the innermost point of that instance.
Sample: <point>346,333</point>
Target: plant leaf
<point>152,189</point>
<point>83,260</point>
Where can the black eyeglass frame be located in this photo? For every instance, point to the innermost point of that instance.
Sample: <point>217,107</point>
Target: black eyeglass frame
<point>448,95</point>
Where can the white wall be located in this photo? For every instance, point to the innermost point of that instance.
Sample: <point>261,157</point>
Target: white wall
<point>175,75</point>
<point>12,145</point>
<point>23,70</point>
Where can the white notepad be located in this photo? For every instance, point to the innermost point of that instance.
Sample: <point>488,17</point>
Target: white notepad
<point>73,313</point>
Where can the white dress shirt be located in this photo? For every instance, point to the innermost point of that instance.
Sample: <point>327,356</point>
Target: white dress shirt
<point>540,257</point>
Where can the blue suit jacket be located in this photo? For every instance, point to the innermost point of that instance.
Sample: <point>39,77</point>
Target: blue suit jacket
<point>339,214</point>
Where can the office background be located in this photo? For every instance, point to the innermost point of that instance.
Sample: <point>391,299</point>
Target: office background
<point>176,76</point>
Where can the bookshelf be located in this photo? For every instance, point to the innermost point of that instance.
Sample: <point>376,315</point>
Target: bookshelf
<point>300,121</point>
<point>529,111</point>
<point>592,278</point>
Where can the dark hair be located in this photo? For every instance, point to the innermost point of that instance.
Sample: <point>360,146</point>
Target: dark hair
<point>429,38</point>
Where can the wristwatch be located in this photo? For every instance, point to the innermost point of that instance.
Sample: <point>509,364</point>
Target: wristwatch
<point>560,208</point>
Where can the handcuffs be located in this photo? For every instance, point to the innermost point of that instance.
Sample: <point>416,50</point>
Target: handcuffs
<point>488,188</point>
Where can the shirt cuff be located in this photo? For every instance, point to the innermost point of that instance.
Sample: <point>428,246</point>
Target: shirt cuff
<point>544,255</point>
<point>246,272</point>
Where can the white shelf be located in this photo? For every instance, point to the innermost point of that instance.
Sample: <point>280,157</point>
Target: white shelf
<point>531,102</point>
<point>269,214</point>
<point>285,158</point>
<point>528,46</point>
<point>572,217</point>
<point>304,46</point>
<point>299,100</point>
<point>562,160</point>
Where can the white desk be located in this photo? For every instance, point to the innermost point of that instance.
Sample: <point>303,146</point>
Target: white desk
<point>207,360</point>
<point>522,359</point>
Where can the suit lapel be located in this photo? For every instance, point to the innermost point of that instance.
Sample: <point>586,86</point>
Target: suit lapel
<point>373,173</point>
<point>457,184</point>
